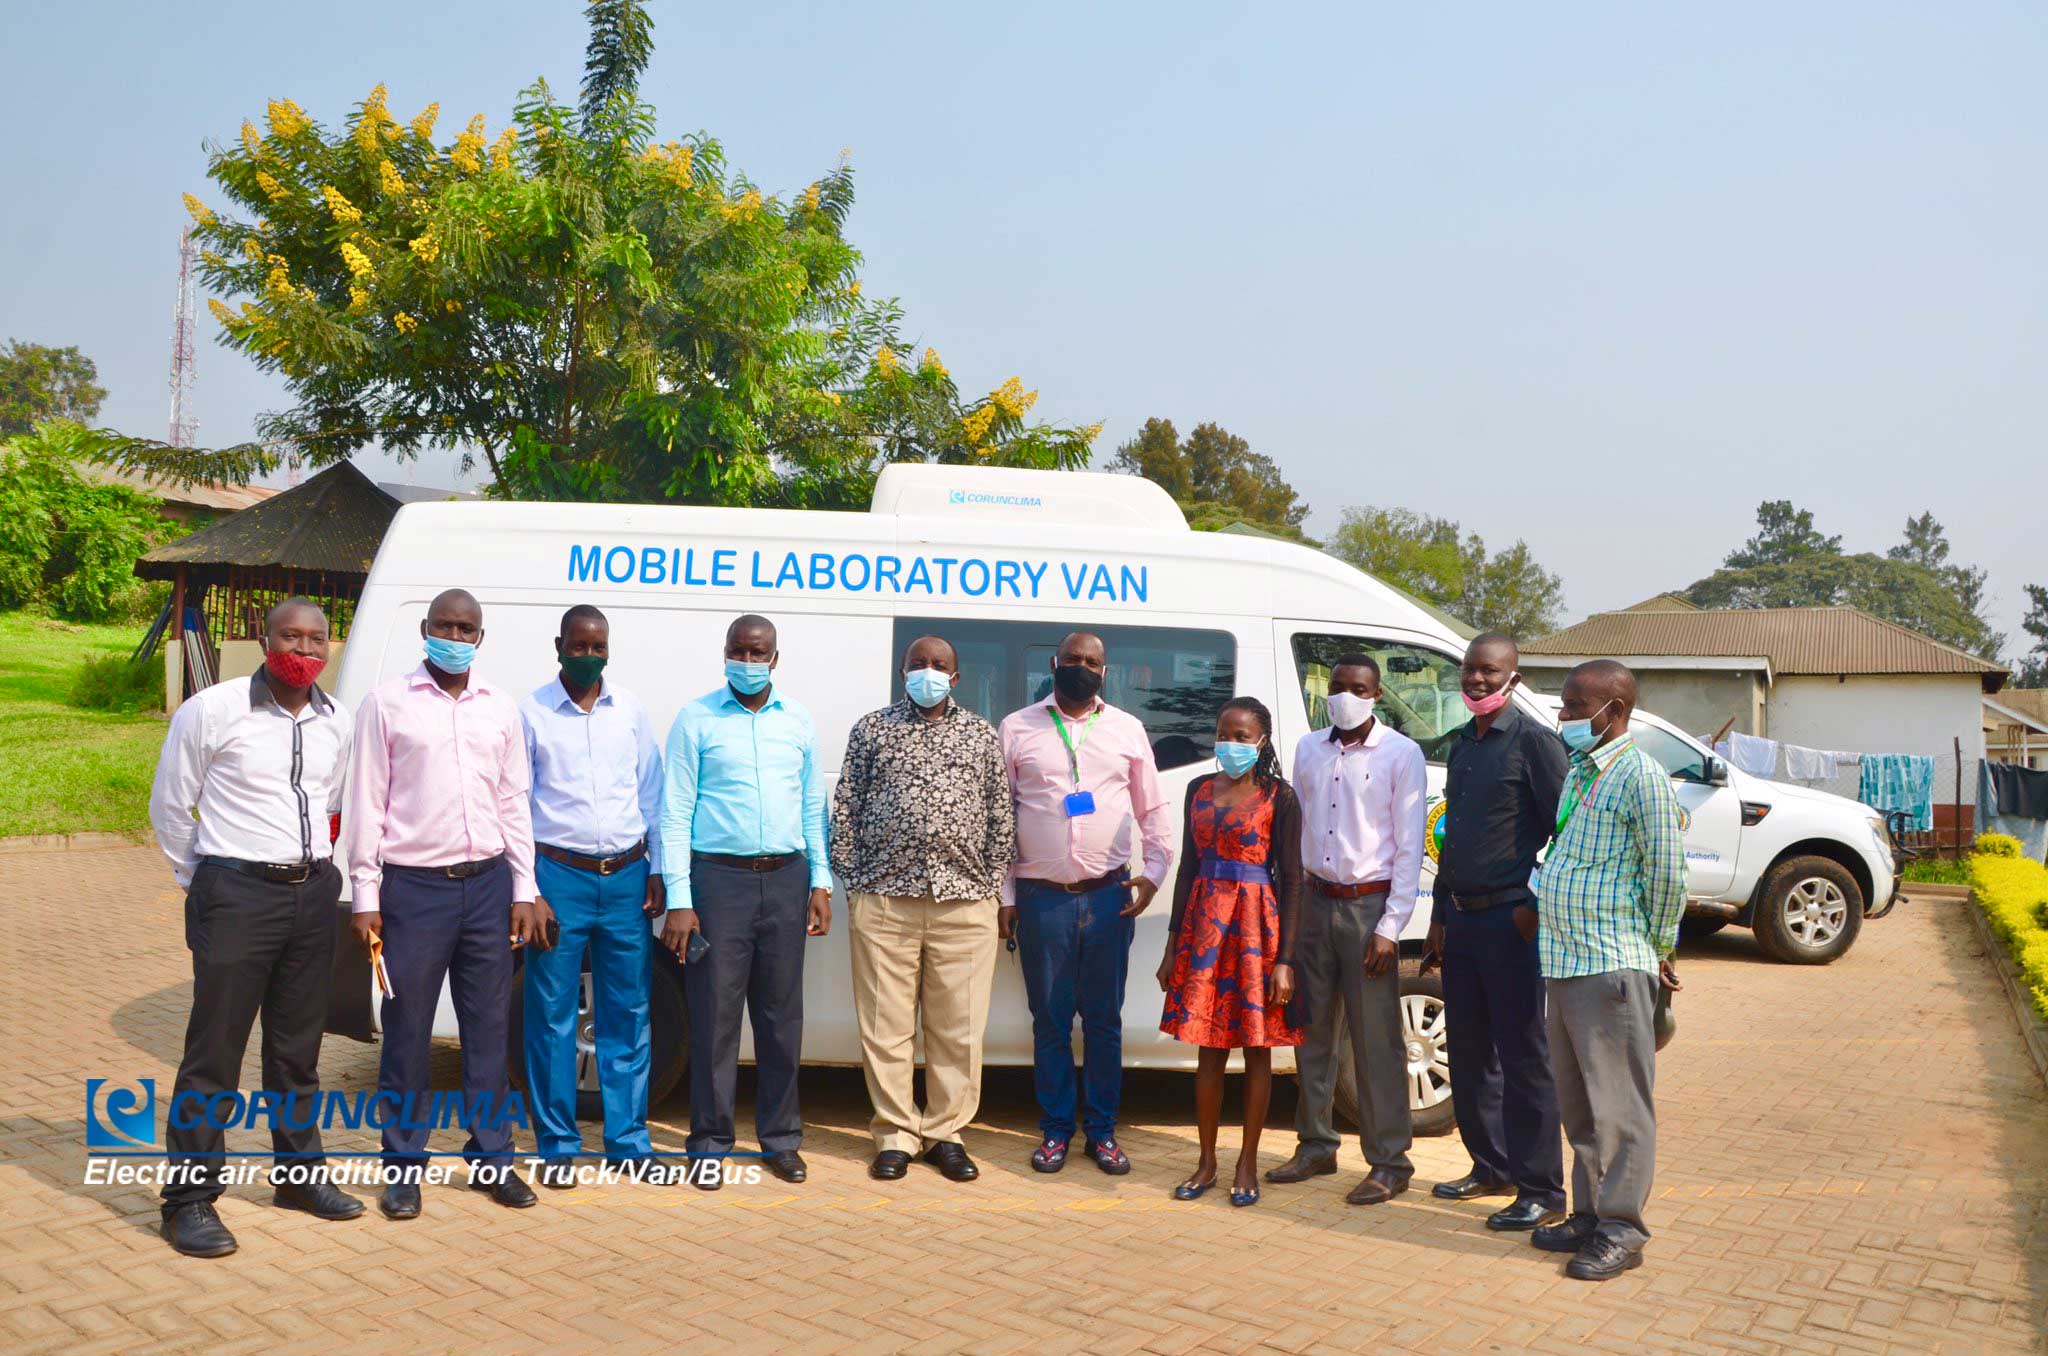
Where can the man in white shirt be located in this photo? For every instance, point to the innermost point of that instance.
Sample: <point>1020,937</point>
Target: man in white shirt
<point>249,778</point>
<point>1364,790</point>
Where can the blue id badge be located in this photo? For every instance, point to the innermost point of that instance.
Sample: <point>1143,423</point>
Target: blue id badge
<point>1080,803</point>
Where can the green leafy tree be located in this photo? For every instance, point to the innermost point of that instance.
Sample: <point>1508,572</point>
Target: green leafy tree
<point>38,382</point>
<point>590,311</point>
<point>67,543</point>
<point>1790,564</point>
<point>1214,476</point>
<point>2031,668</point>
<point>1435,560</point>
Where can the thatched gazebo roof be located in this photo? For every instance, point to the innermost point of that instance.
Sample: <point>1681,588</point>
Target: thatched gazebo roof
<point>330,525</point>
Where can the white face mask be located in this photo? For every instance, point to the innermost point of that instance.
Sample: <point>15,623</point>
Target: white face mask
<point>1349,711</point>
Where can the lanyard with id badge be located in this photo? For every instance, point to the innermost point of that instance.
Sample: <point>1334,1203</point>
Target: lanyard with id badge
<point>1078,802</point>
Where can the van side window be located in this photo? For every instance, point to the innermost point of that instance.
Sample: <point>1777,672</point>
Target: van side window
<point>1418,687</point>
<point>1172,679</point>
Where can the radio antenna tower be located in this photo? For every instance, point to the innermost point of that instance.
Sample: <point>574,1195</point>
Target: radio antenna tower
<point>184,427</point>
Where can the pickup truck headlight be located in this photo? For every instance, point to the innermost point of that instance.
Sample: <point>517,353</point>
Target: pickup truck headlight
<point>1881,835</point>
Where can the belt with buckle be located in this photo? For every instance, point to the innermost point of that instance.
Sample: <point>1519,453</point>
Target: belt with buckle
<point>1079,887</point>
<point>462,870</point>
<point>1493,899</point>
<point>1329,889</point>
<point>773,861</point>
<point>603,866</point>
<point>282,873</point>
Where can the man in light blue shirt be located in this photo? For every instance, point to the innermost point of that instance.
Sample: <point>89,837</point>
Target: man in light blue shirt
<point>744,852</point>
<point>596,799</point>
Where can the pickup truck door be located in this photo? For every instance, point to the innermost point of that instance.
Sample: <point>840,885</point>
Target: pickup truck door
<point>1713,814</point>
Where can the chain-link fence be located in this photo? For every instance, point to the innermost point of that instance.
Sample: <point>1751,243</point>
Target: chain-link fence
<point>1950,824</point>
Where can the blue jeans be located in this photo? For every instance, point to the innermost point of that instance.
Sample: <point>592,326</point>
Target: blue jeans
<point>604,914</point>
<point>1076,952</point>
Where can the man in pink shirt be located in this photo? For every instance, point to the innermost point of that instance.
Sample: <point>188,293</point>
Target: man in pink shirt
<point>1364,791</point>
<point>1085,785</point>
<point>440,849</point>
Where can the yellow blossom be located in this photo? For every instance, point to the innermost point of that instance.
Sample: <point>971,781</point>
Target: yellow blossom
<point>389,179</point>
<point>372,119</point>
<point>252,250</point>
<point>210,257</point>
<point>279,279</point>
<point>358,300</point>
<point>340,206</point>
<point>357,261</point>
<point>220,311</point>
<point>423,125</point>
<point>201,213</point>
<point>832,396</point>
<point>854,291</point>
<point>452,307</point>
<point>977,424</point>
<point>885,361</point>
<point>1012,398</point>
<point>675,160</point>
<point>932,363</point>
<point>287,118</point>
<point>467,152</point>
<point>406,324</point>
<point>251,143</point>
<point>1091,433</point>
<point>811,198</point>
<point>426,247</point>
<point>272,189</point>
<point>501,149</point>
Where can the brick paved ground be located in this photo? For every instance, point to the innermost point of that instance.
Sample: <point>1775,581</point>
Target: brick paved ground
<point>1854,1159</point>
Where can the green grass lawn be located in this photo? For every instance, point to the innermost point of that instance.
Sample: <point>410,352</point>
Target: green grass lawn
<point>62,769</point>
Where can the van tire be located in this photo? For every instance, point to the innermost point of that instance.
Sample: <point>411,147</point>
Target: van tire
<point>668,1024</point>
<point>1423,996</point>
<point>1808,911</point>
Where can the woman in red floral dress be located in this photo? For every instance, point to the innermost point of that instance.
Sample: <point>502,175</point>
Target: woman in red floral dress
<point>1228,972</point>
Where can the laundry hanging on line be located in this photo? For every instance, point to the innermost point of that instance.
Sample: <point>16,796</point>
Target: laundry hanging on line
<point>1756,756</point>
<point>1814,766</point>
<point>2014,801</point>
<point>1894,782</point>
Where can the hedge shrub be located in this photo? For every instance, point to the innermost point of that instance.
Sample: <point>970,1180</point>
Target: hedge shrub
<point>2013,892</point>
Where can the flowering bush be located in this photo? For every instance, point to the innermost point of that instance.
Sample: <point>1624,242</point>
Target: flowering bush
<point>2013,892</point>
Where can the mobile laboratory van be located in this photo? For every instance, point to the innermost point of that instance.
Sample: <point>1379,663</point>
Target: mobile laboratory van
<point>1001,562</point>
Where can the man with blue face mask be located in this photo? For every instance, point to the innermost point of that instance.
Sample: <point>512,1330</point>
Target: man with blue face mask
<point>1610,896</point>
<point>923,832</point>
<point>743,852</point>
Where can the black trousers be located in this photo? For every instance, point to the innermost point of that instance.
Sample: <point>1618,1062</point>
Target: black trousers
<point>1501,1079</point>
<point>258,947</point>
<point>756,924</point>
<point>460,931</point>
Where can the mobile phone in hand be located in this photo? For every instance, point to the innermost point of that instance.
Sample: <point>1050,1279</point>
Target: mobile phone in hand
<point>695,949</point>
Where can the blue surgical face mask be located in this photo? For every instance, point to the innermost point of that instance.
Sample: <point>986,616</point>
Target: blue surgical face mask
<point>927,687</point>
<point>1578,735</point>
<point>1236,759</point>
<point>450,656</point>
<point>746,679</point>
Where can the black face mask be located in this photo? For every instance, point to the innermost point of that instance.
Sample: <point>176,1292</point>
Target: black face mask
<point>1076,682</point>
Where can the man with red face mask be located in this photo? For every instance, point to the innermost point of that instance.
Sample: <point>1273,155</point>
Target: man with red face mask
<point>250,775</point>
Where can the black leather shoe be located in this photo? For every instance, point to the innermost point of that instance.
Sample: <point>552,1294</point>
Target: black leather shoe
<point>889,1165</point>
<point>509,1190</point>
<point>559,1174</point>
<point>1602,1259</point>
<point>952,1162</point>
<point>1380,1186</point>
<point>789,1165</point>
<point>1304,1165</point>
<point>706,1174</point>
<point>196,1231</point>
<point>322,1200</point>
<point>1526,1213</point>
<point>1470,1187</point>
<point>1569,1236</point>
<point>401,1200</point>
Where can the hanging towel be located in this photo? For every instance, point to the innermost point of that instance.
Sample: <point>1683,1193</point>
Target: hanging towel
<point>2032,833</point>
<point>1757,757</point>
<point>2021,791</point>
<point>1899,781</point>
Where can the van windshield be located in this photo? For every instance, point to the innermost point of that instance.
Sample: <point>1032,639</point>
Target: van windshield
<point>1173,679</point>
<point>1419,693</point>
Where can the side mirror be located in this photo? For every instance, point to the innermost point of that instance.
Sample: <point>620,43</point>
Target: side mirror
<point>1717,772</point>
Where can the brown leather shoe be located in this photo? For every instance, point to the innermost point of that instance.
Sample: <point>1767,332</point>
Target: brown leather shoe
<point>1380,1185</point>
<point>1305,1164</point>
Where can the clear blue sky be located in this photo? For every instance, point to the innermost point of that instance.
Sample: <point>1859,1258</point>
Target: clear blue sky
<point>1597,276</point>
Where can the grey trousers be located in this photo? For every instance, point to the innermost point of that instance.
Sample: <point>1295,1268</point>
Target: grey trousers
<point>1329,963</point>
<point>756,924</point>
<point>1604,1047</point>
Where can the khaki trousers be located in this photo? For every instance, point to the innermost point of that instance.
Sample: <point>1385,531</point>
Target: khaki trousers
<point>921,963</point>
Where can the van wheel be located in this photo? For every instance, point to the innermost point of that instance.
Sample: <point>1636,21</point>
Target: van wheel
<point>1429,1062</point>
<point>668,1031</point>
<point>1810,911</point>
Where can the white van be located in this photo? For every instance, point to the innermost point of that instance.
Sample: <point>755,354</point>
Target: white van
<point>1001,562</point>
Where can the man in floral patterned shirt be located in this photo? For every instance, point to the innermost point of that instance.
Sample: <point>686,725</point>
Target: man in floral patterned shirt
<point>923,833</point>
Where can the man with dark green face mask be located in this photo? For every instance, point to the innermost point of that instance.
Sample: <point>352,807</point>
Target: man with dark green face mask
<point>596,799</point>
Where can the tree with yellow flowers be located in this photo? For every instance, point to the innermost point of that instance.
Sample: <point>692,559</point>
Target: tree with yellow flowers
<point>588,310</point>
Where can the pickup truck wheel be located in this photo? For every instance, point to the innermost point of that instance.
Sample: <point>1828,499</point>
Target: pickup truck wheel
<point>1429,1064</point>
<point>1810,911</point>
<point>668,1031</point>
